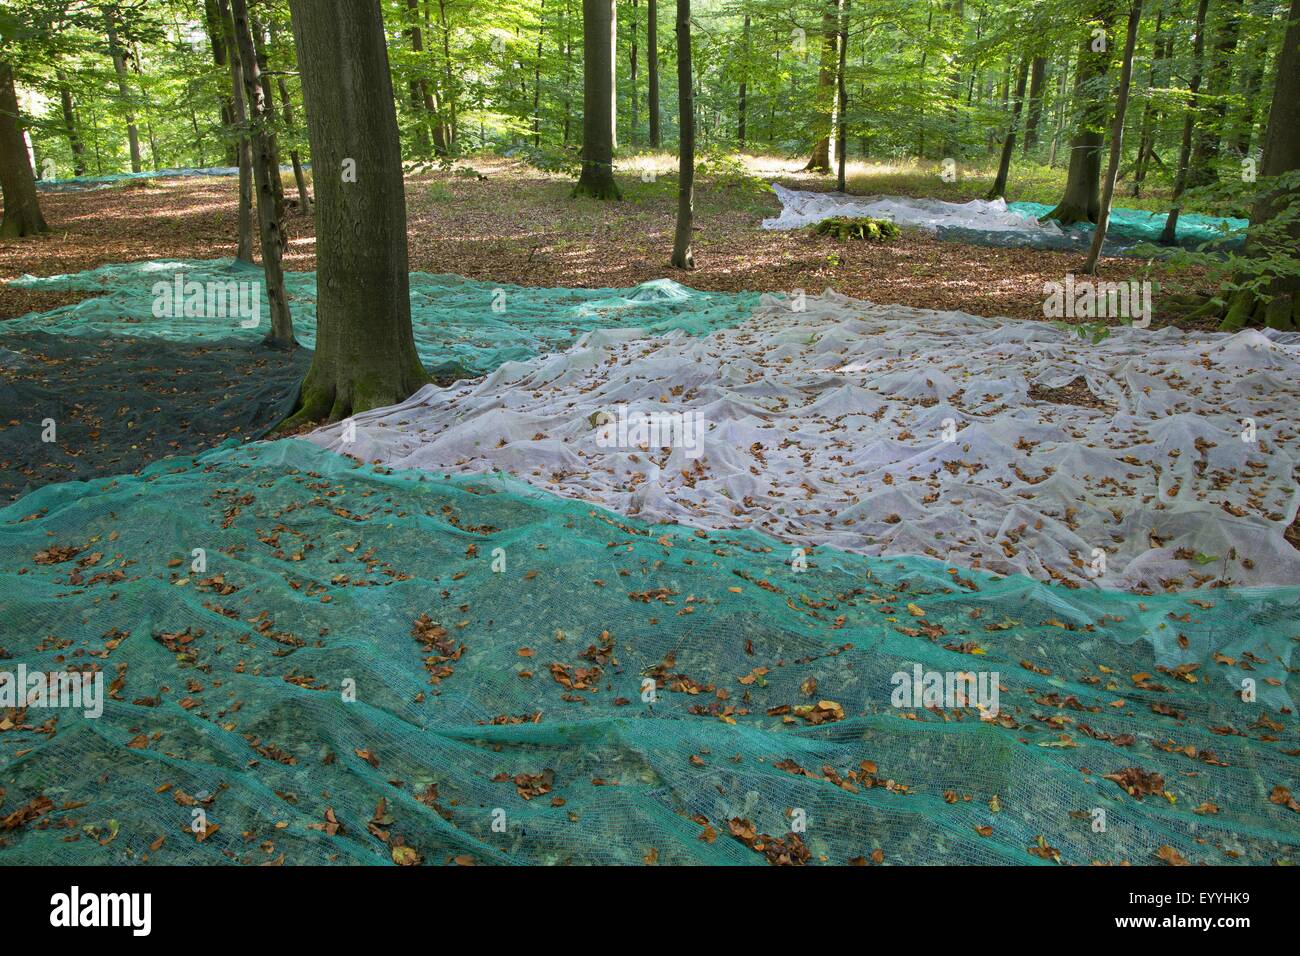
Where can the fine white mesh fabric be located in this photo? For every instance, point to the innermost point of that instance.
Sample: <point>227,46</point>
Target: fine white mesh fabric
<point>887,430</point>
<point>802,208</point>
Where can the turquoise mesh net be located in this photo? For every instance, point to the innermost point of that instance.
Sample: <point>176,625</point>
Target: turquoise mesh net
<point>499,715</point>
<point>462,326</point>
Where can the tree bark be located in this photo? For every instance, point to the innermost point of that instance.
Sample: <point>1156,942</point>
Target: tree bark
<point>652,69</point>
<point>266,173</point>
<point>1170,233</point>
<point>824,120</point>
<point>1146,142</point>
<point>1116,137</point>
<point>842,104</point>
<point>123,84</point>
<point>17,181</point>
<point>597,178</point>
<point>299,177</point>
<point>1209,132</point>
<point>1037,80</point>
<point>1281,155</point>
<point>999,189</point>
<point>70,124</point>
<point>744,84</point>
<point>1082,201</point>
<point>244,146</point>
<point>365,352</point>
<point>683,257</point>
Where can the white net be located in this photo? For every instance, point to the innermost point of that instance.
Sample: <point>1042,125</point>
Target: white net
<point>1153,460</point>
<point>802,208</point>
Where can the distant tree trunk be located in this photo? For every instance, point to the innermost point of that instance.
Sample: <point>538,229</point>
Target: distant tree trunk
<point>365,353</point>
<point>1209,132</point>
<point>265,170</point>
<point>957,24</point>
<point>744,83</point>
<point>999,189</point>
<point>421,116</point>
<point>1082,202</point>
<point>1058,126</point>
<point>1116,137</point>
<point>1252,84</point>
<point>824,118</point>
<point>123,85</point>
<point>1146,142</point>
<point>652,69</point>
<point>18,182</point>
<point>1281,155</point>
<point>215,24</point>
<point>239,114</point>
<point>597,179</point>
<point>683,258</point>
<point>1170,233</point>
<point>636,111</point>
<point>268,124</point>
<point>568,72</point>
<point>1037,80</point>
<point>841,122</point>
<point>299,178</point>
<point>70,125</point>
<point>453,133</point>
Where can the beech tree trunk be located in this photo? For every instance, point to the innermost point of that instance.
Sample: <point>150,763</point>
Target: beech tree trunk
<point>118,56</point>
<point>842,98</point>
<point>244,146</point>
<point>683,258</point>
<point>1116,137</point>
<point>597,179</point>
<point>1209,132</point>
<point>266,173</point>
<point>824,119</point>
<point>652,69</point>
<point>365,353</point>
<point>999,189</point>
<point>70,125</point>
<point>1037,80</point>
<point>744,83</point>
<point>1281,155</point>
<point>1082,200</point>
<point>18,182</point>
<point>1170,233</point>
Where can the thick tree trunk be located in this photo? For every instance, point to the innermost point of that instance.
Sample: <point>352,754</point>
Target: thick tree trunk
<point>123,84</point>
<point>597,179</point>
<point>1037,80</point>
<point>1170,233</point>
<point>1116,137</point>
<point>18,182</point>
<point>999,189</point>
<point>1281,155</point>
<point>266,173</point>
<point>683,258</point>
<point>70,125</point>
<point>652,69</point>
<point>1082,201</point>
<point>824,118</point>
<point>365,353</point>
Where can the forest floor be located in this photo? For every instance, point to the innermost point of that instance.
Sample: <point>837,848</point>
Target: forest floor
<point>502,220</point>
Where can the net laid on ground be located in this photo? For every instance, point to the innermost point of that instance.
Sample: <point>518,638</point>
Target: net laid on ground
<point>462,326</point>
<point>349,680</point>
<point>1152,460</point>
<point>83,406</point>
<point>998,223</point>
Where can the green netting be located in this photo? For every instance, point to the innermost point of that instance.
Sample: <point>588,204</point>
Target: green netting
<point>1131,226</point>
<point>79,183</point>
<point>462,326</point>
<point>516,697</point>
